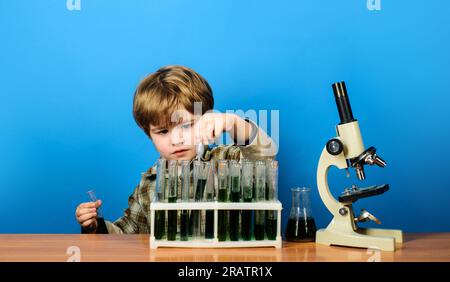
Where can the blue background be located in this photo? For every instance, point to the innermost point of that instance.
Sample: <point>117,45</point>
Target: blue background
<point>67,80</point>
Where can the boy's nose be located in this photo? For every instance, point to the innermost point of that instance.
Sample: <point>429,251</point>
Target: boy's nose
<point>177,137</point>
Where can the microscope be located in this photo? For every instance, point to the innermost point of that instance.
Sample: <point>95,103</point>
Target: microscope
<point>344,151</point>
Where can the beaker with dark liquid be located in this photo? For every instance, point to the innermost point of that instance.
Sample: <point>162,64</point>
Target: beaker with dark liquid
<point>301,226</point>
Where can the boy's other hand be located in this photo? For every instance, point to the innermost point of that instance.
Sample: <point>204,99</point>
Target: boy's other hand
<point>86,214</point>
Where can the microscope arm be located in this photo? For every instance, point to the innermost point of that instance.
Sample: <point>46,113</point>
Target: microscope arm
<point>326,161</point>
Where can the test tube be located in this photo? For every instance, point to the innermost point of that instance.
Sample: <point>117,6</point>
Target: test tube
<point>209,197</point>
<point>199,184</point>
<point>185,187</point>
<point>172,198</point>
<point>247,195</point>
<point>160,215</point>
<point>101,225</point>
<point>260,189</point>
<point>222,177</point>
<point>271,195</point>
<point>235,196</point>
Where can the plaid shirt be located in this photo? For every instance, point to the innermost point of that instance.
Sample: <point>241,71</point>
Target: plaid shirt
<point>137,216</point>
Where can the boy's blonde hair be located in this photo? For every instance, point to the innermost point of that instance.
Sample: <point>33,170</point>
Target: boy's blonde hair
<point>168,89</point>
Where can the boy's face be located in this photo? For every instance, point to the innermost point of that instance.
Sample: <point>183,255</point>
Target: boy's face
<point>176,142</point>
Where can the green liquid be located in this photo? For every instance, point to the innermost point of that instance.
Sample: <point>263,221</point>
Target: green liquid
<point>259,231</point>
<point>246,231</point>
<point>234,217</point>
<point>259,225</point>
<point>209,224</point>
<point>172,221</point>
<point>184,225</point>
<point>271,228</point>
<point>234,225</point>
<point>194,220</point>
<point>223,195</point>
<point>223,216</point>
<point>200,189</point>
<point>160,224</point>
<point>246,225</point>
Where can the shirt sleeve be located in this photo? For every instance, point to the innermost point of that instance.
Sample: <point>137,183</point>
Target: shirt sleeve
<point>135,219</point>
<point>260,146</point>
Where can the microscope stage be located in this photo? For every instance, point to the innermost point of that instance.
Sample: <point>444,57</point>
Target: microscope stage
<point>353,194</point>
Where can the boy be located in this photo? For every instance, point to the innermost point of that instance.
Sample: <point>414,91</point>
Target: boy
<point>164,106</point>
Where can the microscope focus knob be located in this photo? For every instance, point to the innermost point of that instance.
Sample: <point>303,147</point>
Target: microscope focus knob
<point>334,146</point>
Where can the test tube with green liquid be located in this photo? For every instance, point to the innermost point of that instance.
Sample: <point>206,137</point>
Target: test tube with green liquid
<point>235,196</point>
<point>160,215</point>
<point>199,186</point>
<point>271,195</point>
<point>209,197</point>
<point>223,191</point>
<point>185,187</point>
<point>247,195</point>
<point>172,198</point>
<point>260,189</point>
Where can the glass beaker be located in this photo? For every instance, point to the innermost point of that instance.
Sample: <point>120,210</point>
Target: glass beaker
<point>301,226</point>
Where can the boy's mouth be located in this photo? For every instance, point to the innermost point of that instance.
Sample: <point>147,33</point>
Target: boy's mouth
<point>180,152</point>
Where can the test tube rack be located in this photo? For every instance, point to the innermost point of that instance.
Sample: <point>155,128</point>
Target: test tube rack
<point>216,206</point>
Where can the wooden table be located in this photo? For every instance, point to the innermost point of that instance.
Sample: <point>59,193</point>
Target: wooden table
<point>106,248</point>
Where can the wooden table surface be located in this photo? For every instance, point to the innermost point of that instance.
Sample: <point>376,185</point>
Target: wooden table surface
<point>106,248</point>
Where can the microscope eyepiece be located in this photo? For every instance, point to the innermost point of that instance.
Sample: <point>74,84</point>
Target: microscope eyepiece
<point>342,102</point>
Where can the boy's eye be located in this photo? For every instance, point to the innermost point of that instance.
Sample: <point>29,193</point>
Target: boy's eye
<point>162,131</point>
<point>186,126</point>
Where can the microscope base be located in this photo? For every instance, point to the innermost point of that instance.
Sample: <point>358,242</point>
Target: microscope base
<point>383,239</point>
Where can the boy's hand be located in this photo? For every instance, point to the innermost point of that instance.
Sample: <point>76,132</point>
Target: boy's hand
<point>86,214</point>
<point>211,125</point>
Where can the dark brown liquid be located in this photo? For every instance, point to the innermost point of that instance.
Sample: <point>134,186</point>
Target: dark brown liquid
<point>301,230</point>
